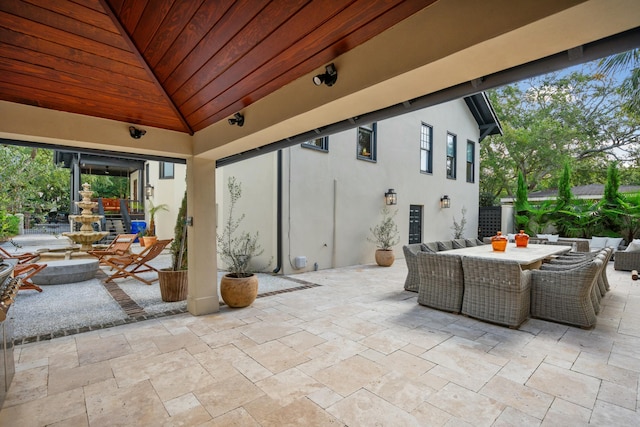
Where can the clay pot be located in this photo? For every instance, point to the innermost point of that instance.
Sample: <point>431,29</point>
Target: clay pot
<point>385,257</point>
<point>238,292</point>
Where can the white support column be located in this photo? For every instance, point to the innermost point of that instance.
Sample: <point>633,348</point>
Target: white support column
<point>201,206</point>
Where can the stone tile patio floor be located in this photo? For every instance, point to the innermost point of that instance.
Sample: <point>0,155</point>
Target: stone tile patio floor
<point>356,351</point>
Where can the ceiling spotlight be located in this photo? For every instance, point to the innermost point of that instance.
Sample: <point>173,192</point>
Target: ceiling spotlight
<point>238,119</point>
<point>136,133</point>
<point>329,77</point>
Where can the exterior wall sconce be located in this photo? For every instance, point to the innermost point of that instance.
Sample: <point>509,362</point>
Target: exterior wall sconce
<point>136,133</point>
<point>148,191</point>
<point>238,119</point>
<point>445,202</point>
<point>391,197</point>
<point>329,77</point>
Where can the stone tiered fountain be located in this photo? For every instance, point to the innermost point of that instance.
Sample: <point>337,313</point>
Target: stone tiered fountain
<point>86,236</point>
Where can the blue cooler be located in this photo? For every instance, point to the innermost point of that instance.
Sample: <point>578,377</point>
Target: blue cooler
<point>138,226</point>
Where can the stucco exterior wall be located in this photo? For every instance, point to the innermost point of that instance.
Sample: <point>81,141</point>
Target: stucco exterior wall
<point>169,192</point>
<point>331,199</point>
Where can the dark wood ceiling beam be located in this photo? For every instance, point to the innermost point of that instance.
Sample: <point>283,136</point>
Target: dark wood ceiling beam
<point>148,69</point>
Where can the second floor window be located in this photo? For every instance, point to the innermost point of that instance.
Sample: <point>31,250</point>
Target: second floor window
<point>367,142</point>
<point>426,153</point>
<point>471,164</point>
<point>166,170</point>
<point>321,144</point>
<point>451,156</point>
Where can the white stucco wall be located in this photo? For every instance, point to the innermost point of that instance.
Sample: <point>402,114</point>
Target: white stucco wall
<point>331,200</point>
<point>169,192</point>
<point>360,186</point>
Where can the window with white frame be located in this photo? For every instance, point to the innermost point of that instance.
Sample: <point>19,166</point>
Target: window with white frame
<point>451,156</point>
<point>426,151</point>
<point>320,144</point>
<point>367,142</point>
<point>471,164</point>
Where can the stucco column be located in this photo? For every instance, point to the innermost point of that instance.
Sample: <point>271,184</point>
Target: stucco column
<point>201,205</point>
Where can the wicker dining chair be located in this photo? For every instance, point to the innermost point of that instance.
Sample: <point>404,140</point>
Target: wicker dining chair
<point>441,281</point>
<point>565,295</point>
<point>497,291</point>
<point>412,282</point>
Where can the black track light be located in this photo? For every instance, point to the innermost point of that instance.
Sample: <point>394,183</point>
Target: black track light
<point>238,119</point>
<point>329,77</point>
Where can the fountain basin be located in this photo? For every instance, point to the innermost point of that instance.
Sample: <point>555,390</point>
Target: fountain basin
<point>66,271</point>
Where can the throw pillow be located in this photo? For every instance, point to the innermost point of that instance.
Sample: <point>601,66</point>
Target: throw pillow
<point>511,237</point>
<point>459,243</point>
<point>598,243</point>
<point>634,246</point>
<point>543,236</point>
<point>425,248</point>
<point>614,242</point>
<point>553,237</point>
<point>445,246</point>
<point>471,243</point>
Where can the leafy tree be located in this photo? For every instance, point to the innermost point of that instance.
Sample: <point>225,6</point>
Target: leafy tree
<point>630,87</point>
<point>575,117</point>
<point>32,184</point>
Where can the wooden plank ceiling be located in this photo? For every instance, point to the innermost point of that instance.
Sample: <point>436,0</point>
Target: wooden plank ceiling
<point>175,64</point>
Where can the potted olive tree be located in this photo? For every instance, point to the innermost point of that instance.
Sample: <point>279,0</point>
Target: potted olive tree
<point>173,280</point>
<point>239,287</point>
<point>385,236</point>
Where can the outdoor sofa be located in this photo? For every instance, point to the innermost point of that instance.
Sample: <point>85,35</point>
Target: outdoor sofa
<point>628,259</point>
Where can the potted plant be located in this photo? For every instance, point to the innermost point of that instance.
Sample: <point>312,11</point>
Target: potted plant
<point>239,287</point>
<point>150,234</point>
<point>173,280</point>
<point>385,236</point>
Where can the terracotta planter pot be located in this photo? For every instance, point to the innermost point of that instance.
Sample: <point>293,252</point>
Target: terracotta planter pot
<point>174,285</point>
<point>150,240</point>
<point>385,257</point>
<point>239,292</point>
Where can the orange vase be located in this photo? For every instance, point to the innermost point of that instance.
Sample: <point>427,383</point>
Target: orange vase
<point>522,239</point>
<point>499,242</point>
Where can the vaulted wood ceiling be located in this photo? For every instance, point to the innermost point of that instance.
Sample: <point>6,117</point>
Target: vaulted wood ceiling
<point>175,64</point>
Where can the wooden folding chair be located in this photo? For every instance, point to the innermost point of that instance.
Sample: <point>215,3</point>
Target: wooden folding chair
<point>119,247</point>
<point>133,264</point>
<point>26,272</point>
<point>22,258</point>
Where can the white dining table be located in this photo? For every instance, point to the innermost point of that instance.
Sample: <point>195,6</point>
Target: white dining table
<point>529,258</point>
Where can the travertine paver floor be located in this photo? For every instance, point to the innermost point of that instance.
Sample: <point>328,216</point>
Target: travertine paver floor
<point>357,351</point>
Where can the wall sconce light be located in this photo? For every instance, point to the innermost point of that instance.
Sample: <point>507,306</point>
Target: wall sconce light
<point>238,119</point>
<point>391,197</point>
<point>445,202</point>
<point>148,191</point>
<point>329,77</point>
<point>136,133</point>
